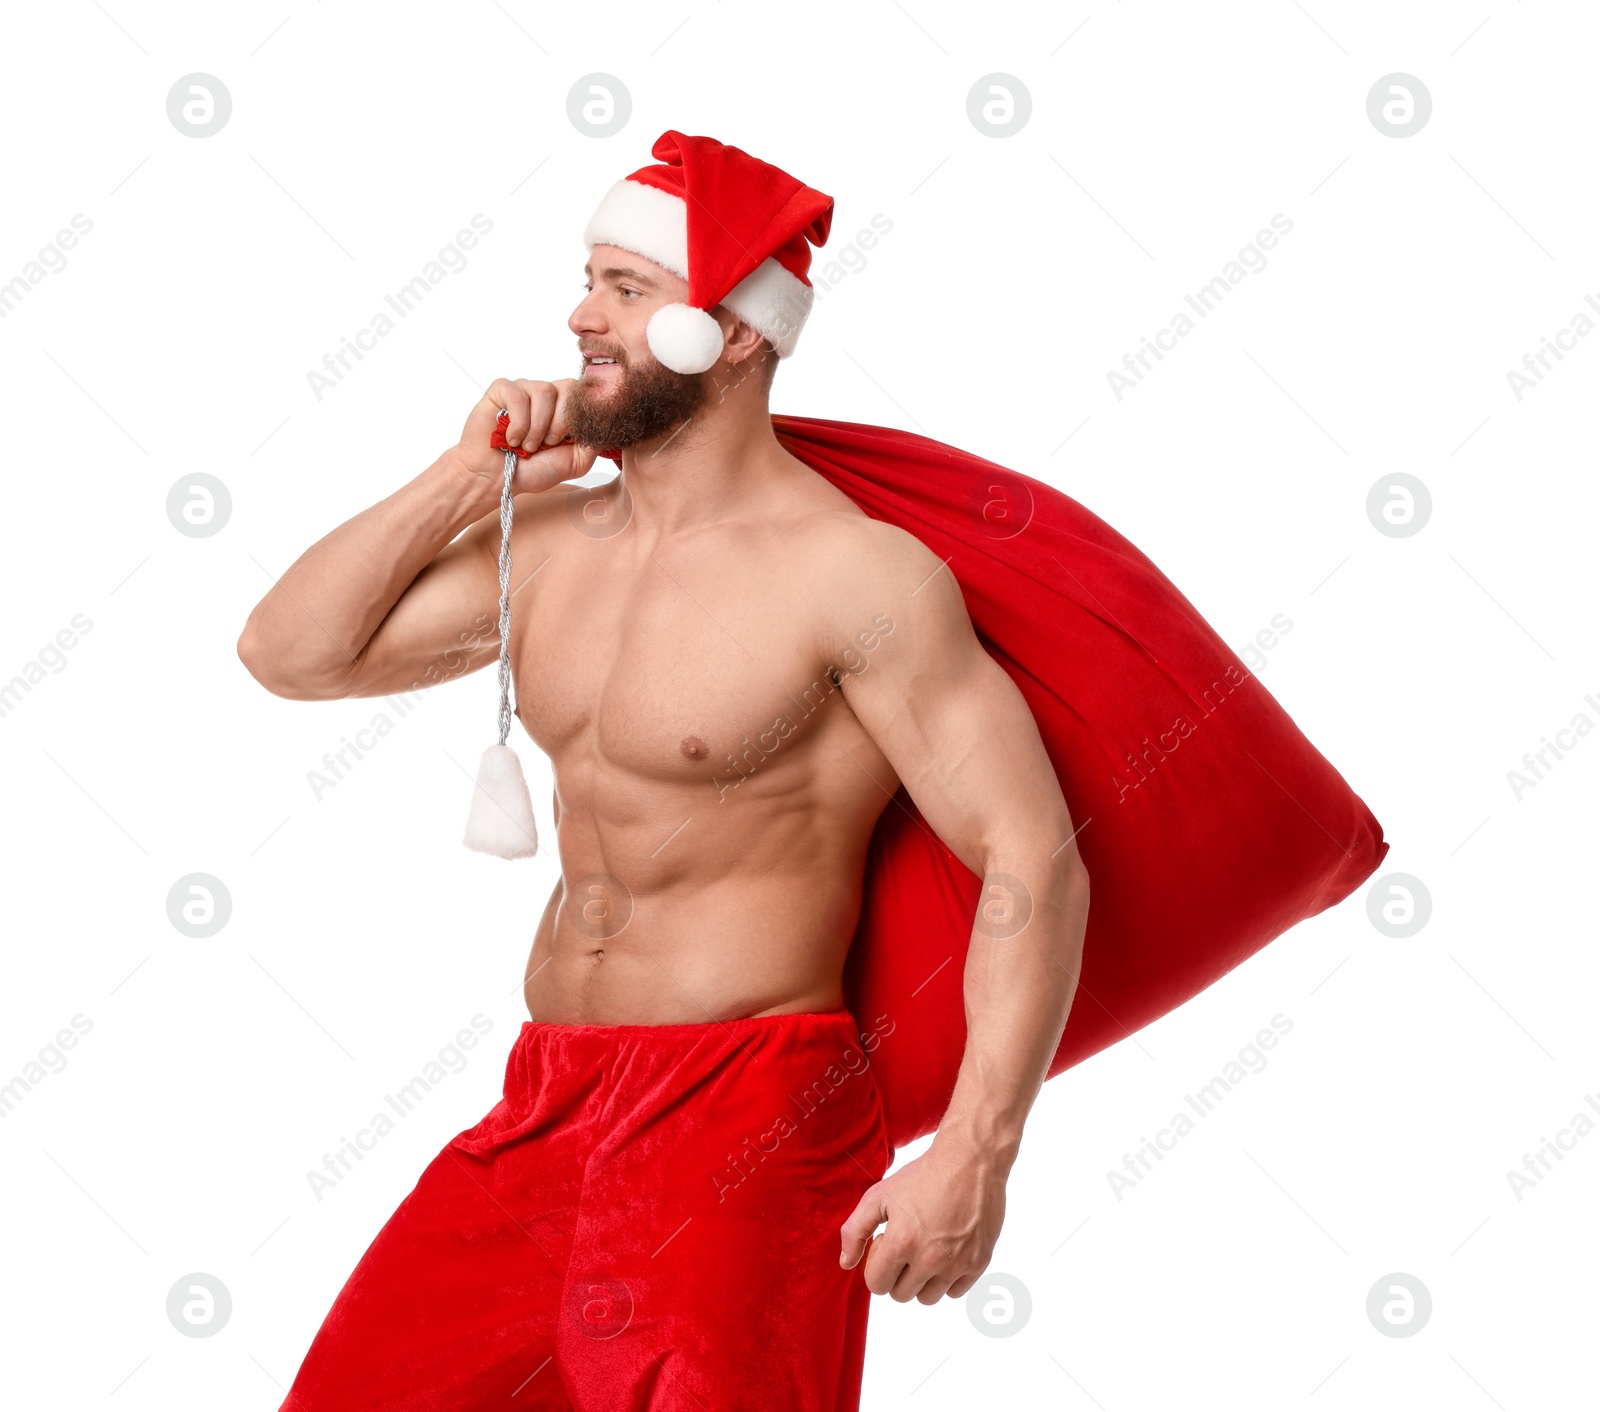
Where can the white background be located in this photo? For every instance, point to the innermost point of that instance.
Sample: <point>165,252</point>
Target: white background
<point>1019,270</point>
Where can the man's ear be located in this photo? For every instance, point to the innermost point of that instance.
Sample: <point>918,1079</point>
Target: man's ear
<point>741,343</point>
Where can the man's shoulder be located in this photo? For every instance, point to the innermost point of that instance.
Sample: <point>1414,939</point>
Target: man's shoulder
<point>853,548</point>
<point>863,571</point>
<point>539,517</point>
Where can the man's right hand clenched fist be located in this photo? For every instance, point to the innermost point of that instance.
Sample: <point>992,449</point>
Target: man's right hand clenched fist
<point>538,419</point>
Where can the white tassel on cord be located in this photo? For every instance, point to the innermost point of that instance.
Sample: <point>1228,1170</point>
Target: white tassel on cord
<point>501,819</point>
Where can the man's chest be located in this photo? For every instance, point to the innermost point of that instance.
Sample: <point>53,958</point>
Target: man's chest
<point>678,668</point>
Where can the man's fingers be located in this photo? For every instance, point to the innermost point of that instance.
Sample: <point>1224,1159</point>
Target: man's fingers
<point>509,395</point>
<point>532,405</point>
<point>560,420</point>
<point>541,408</point>
<point>960,1286</point>
<point>535,419</point>
<point>855,1234</point>
<point>886,1266</point>
<point>910,1283</point>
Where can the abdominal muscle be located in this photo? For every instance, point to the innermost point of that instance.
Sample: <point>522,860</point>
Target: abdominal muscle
<point>747,910</point>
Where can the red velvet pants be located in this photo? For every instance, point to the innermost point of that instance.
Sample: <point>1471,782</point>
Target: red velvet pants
<point>648,1219</point>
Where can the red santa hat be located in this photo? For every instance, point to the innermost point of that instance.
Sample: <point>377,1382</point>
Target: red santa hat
<point>735,227</point>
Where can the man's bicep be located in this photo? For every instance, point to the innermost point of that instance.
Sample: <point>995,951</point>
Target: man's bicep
<point>953,725</point>
<point>445,624</point>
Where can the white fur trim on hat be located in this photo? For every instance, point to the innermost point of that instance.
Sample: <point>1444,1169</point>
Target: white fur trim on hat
<point>645,220</point>
<point>774,303</point>
<point>655,224</point>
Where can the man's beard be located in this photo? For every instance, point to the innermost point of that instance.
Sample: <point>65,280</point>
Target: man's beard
<point>648,401</point>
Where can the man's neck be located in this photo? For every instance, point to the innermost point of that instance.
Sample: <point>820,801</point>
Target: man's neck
<point>724,457</point>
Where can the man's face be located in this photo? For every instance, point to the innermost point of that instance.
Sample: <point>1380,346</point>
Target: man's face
<point>633,397</point>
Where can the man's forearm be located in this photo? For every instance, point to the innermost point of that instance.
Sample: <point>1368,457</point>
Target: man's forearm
<point>1018,988</point>
<point>314,622</point>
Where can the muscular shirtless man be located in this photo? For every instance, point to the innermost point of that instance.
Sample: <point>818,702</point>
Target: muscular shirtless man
<point>732,669</point>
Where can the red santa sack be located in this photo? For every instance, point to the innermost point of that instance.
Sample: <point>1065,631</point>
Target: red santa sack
<point>1208,823</point>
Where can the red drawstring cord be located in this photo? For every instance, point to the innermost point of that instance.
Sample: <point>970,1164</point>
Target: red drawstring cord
<point>497,439</point>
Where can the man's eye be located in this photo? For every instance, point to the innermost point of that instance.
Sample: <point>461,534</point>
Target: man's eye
<point>622,289</point>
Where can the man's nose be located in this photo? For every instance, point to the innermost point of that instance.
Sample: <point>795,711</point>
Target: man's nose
<point>586,318</point>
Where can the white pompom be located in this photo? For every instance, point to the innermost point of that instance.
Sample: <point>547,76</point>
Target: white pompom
<point>501,819</point>
<point>683,338</point>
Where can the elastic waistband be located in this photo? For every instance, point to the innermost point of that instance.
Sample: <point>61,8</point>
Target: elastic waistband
<point>791,1019</point>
